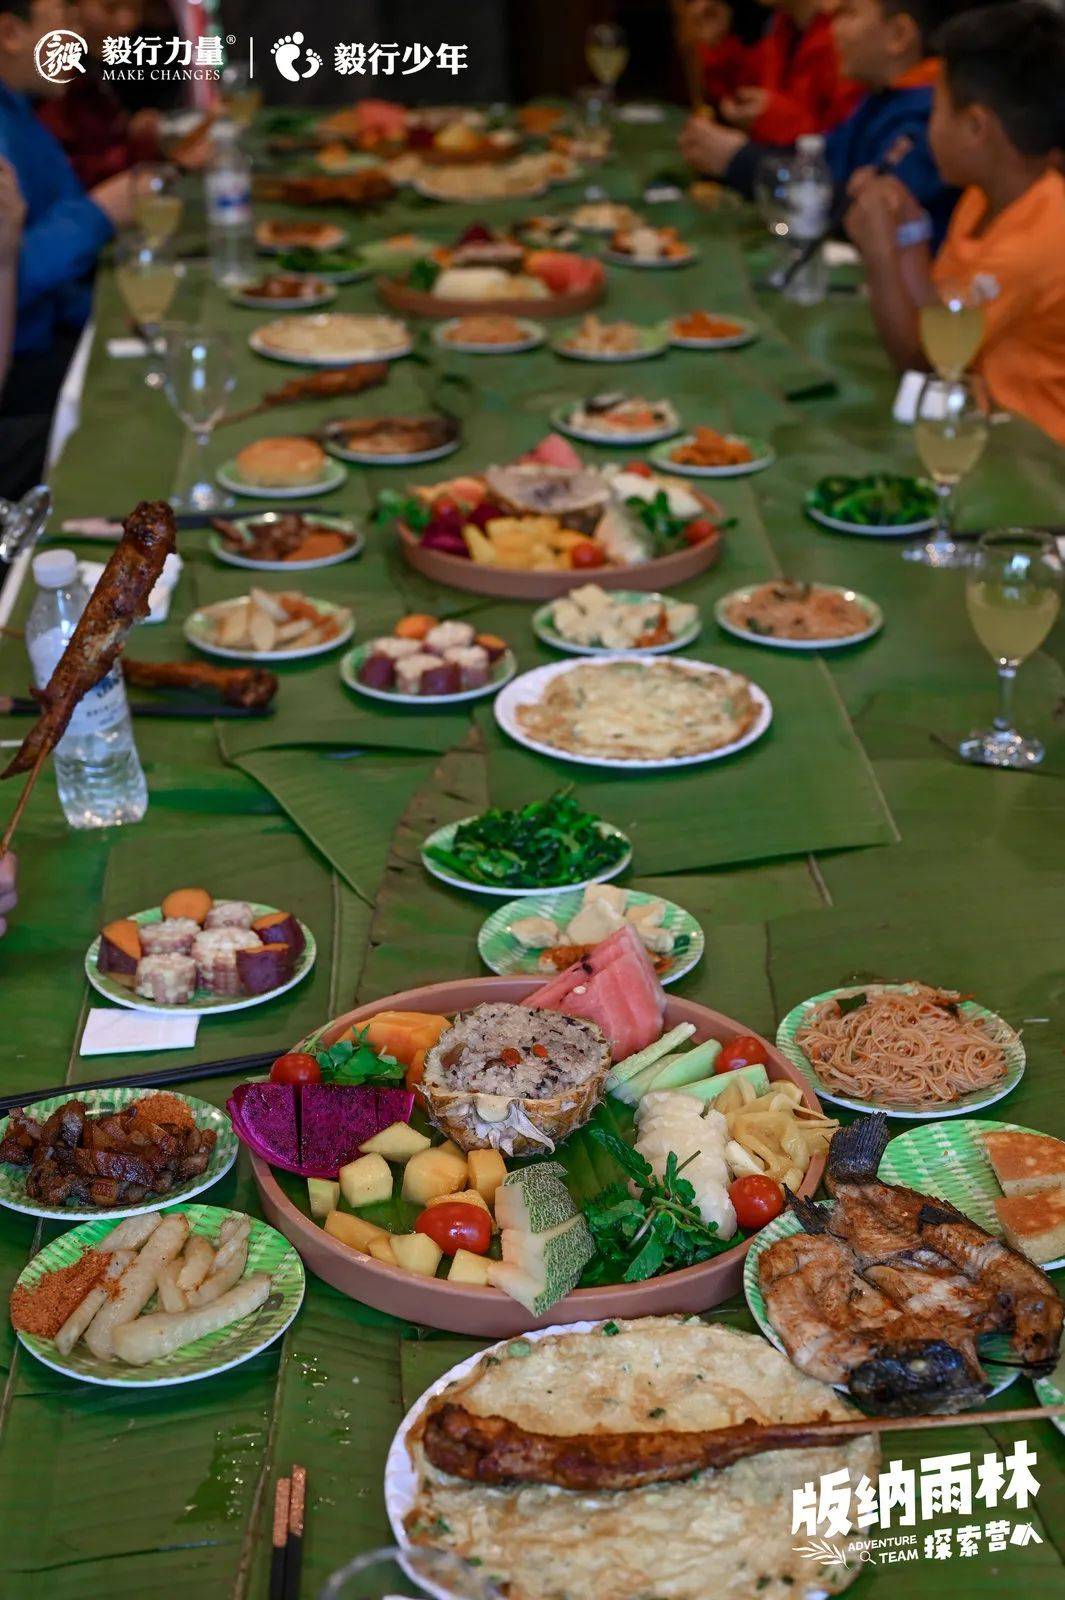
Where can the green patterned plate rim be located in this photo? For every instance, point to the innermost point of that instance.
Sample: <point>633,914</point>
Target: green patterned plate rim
<point>1000,1374</point>
<point>1051,1392</point>
<point>202,1000</point>
<point>13,1179</point>
<point>948,1160</point>
<point>505,954</point>
<point>543,624</point>
<point>442,838</point>
<point>1015,1058</point>
<point>229,476</point>
<point>268,1251</point>
<point>762,455</point>
<point>654,341</point>
<point>195,629</point>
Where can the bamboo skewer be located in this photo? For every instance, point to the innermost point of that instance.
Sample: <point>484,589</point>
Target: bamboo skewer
<point>859,1425</point>
<point>23,799</point>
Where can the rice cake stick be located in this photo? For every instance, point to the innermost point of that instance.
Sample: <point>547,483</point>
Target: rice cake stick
<point>131,1232</point>
<point>137,1284</point>
<point>171,1295</point>
<point>82,1315</point>
<point>162,1332</point>
<point>218,1283</point>
<point>196,1263</point>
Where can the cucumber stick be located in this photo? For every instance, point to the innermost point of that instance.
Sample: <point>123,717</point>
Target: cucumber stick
<point>654,1052</point>
<point>671,1072</point>
<point>707,1089</point>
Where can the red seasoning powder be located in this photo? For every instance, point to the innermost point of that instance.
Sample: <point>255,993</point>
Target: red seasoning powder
<point>43,1307</point>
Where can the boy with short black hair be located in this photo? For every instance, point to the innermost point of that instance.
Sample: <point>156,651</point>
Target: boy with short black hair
<point>886,45</point>
<point>997,131</point>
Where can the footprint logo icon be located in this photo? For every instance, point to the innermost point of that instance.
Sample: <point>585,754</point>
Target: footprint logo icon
<point>287,52</point>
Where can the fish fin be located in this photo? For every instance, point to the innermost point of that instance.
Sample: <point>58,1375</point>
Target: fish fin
<point>932,1216</point>
<point>810,1216</point>
<point>855,1152</point>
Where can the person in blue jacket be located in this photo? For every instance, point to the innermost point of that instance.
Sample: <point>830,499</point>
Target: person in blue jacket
<point>887,45</point>
<point>65,227</point>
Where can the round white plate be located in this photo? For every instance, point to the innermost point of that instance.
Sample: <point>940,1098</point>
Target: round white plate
<point>662,264</point>
<point>350,358</point>
<point>252,302</point>
<point>529,688</point>
<point>732,341</point>
<point>876,622</point>
<point>425,188</point>
<point>218,547</point>
<point>443,837</point>
<point>534,335</point>
<point>656,343</point>
<point>624,441</point>
<point>661,458</point>
<point>228,475</point>
<point>502,671</point>
<point>503,953</point>
<point>869,530</point>
<point>194,631</point>
<point>1014,1047</point>
<point>337,240</point>
<point>545,630</point>
<point>268,1251</point>
<point>375,458</point>
<point>13,1178</point>
<point>209,1003</point>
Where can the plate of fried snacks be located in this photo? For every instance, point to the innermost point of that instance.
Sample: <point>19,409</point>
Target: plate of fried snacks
<point>706,453</point>
<point>277,541</point>
<point>160,1298</point>
<point>788,615</point>
<point>706,330</point>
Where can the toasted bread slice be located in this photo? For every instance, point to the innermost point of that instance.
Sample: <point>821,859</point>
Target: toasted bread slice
<point>1025,1163</point>
<point>1034,1224</point>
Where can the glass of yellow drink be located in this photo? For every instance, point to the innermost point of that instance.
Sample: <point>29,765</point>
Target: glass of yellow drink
<point>147,276</point>
<point>950,432</point>
<point>157,204</point>
<point>606,51</point>
<point>952,327</point>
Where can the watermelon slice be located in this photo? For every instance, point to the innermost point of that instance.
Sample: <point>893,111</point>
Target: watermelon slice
<point>563,272</point>
<point>615,986</point>
<point>553,451</point>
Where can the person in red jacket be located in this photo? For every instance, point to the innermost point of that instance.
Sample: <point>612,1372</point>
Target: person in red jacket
<point>787,84</point>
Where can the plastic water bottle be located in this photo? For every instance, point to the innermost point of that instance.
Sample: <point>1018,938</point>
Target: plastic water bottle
<point>97,770</point>
<point>229,219</point>
<point>808,202</point>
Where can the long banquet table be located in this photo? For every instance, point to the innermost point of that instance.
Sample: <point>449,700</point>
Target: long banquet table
<point>849,841</point>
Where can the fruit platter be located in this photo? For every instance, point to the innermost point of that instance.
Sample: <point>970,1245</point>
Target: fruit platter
<point>490,269</point>
<point>490,1155</point>
<point>544,524</point>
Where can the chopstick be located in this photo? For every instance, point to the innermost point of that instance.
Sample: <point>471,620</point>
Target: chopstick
<point>286,1557</point>
<point>860,1425</point>
<point>19,706</point>
<point>146,1080</point>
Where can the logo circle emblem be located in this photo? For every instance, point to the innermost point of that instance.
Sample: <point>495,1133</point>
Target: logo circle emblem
<point>59,54</point>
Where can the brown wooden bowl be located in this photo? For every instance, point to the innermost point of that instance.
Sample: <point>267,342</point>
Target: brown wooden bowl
<point>504,583</point>
<point>489,1313</point>
<point>417,303</point>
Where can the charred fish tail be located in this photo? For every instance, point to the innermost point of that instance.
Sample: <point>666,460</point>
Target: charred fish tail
<point>855,1152</point>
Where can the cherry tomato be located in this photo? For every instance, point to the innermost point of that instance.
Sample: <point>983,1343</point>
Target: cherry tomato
<point>296,1067</point>
<point>698,530</point>
<point>746,1051</point>
<point>756,1199</point>
<point>587,554</point>
<point>446,509</point>
<point>640,468</point>
<point>456,1225</point>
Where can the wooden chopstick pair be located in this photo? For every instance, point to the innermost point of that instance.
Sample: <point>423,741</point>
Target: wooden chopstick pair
<point>160,1078</point>
<point>286,1558</point>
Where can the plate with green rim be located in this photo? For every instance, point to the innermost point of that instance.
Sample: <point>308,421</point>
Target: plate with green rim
<point>13,1178</point>
<point>533,335</point>
<point>562,420</point>
<point>545,630</point>
<point>310,302</point>
<point>232,558</point>
<point>772,642</point>
<point>505,954</point>
<point>728,341</point>
<point>872,530</point>
<point>654,341</point>
<point>618,258</point>
<point>268,1251</point>
<point>948,1160</point>
<point>500,672</point>
<point>203,1001</point>
<point>196,631</point>
<point>992,1349</point>
<point>356,270</point>
<point>1051,1392</point>
<point>762,455</point>
<point>997,1026</point>
<point>441,839</point>
<point>229,476</point>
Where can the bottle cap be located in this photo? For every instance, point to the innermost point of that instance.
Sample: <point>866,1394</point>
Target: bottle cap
<point>55,569</point>
<point>811,144</point>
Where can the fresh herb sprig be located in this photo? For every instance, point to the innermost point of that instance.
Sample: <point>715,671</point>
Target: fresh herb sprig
<point>354,1061</point>
<point>423,274</point>
<point>658,1229</point>
<point>395,507</point>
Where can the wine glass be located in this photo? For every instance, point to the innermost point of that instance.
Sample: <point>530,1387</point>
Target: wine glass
<point>950,432</point>
<point>391,1574</point>
<point>156,201</point>
<point>1013,595</point>
<point>771,181</point>
<point>606,51</point>
<point>147,276</point>
<point>198,377</point>
<point>952,326</point>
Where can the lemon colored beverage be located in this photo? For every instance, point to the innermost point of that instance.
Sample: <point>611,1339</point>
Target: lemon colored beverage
<point>147,290</point>
<point>1011,620</point>
<point>607,61</point>
<point>950,449</point>
<point>157,215</point>
<point>242,105</point>
<point>951,338</point>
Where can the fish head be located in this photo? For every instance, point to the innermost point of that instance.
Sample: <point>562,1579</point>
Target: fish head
<point>918,1376</point>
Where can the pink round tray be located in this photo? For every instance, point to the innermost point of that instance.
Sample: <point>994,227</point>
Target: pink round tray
<point>504,583</point>
<point>417,303</point>
<point>489,1313</point>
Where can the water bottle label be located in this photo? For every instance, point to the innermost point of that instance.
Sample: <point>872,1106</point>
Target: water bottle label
<point>808,210</point>
<point>98,711</point>
<point>228,199</point>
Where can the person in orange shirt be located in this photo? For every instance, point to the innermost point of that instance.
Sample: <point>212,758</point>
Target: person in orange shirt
<point>997,131</point>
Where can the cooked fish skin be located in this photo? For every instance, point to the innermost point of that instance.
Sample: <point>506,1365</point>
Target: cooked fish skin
<point>915,1377</point>
<point>496,1450</point>
<point>924,1285</point>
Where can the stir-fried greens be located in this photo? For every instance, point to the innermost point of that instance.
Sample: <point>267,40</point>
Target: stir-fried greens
<point>879,500</point>
<point>304,259</point>
<point>545,844</point>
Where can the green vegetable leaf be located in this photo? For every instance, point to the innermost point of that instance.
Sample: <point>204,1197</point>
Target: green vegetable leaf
<point>851,1002</point>
<point>423,274</point>
<point>395,507</point>
<point>354,1061</point>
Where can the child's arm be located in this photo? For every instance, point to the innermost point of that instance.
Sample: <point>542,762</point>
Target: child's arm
<point>898,275</point>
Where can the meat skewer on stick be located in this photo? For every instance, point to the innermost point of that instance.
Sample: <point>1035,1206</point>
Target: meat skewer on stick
<point>316,386</point>
<point>250,687</point>
<point>119,599</point>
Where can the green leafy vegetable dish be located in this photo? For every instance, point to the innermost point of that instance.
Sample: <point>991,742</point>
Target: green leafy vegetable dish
<point>878,500</point>
<point>321,262</point>
<point>546,844</point>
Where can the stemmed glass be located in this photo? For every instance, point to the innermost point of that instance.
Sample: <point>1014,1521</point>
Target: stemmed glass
<point>952,326</point>
<point>771,180</point>
<point>950,431</point>
<point>198,377</point>
<point>1013,595</point>
<point>156,201</point>
<point>388,1574</point>
<point>606,51</point>
<point>147,276</point>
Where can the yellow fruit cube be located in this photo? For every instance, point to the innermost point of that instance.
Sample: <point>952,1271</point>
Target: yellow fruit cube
<point>365,1181</point>
<point>381,1250</point>
<point>323,1196</point>
<point>353,1231</point>
<point>416,1252</point>
<point>468,1268</point>
<point>487,1169</point>
<point>468,1197</point>
<point>433,1172</point>
<point>398,1142</point>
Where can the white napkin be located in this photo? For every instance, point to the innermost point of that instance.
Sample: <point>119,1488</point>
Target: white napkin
<point>109,1032</point>
<point>129,348</point>
<point>837,253</point>
<point>158,600</point>
<point>907,396</point>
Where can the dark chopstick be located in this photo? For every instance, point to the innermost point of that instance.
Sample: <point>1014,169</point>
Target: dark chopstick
<point>23,706</point>
<point>146,1080</point>
<point>279,1553</point>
